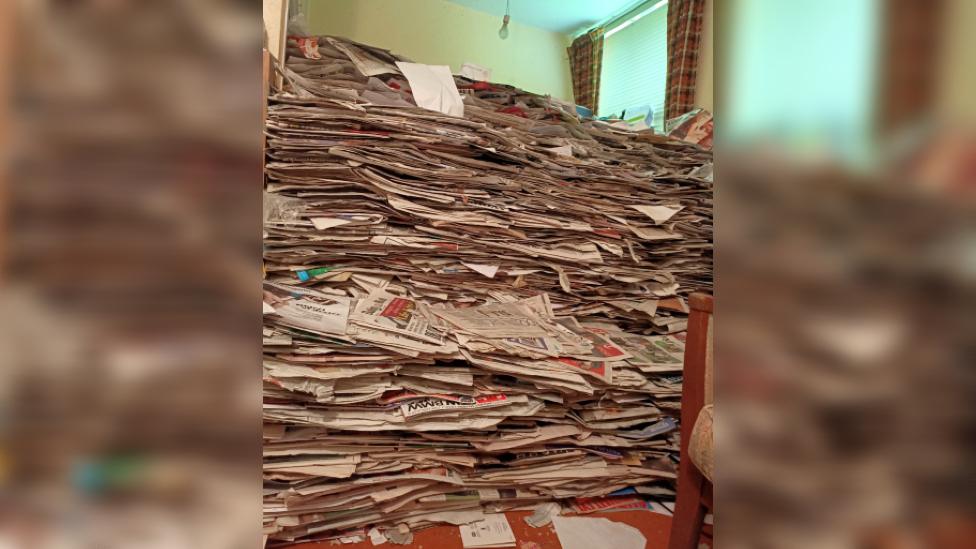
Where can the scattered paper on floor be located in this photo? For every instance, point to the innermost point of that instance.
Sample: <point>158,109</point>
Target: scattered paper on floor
<point>592,532</point>
<point>494,531</point>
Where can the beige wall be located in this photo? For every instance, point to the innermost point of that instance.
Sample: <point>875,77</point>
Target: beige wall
<point>441,33</point>
<point>704,85</point>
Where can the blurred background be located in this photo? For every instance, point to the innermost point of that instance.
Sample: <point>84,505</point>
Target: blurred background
<point>845,273</point>
<point>129,356</point>
<point>130,249</point>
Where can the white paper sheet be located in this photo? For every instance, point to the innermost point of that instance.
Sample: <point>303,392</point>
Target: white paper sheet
<point>659,214</point>
<point>542,514</point>
<point>487,270</point>
<point>376,537</point>
<point>475,72</point>
<point>322,223</point>
<point>565,150</point>
<point>494,531</point>
<point>591,532</point>
<point>433,87</point>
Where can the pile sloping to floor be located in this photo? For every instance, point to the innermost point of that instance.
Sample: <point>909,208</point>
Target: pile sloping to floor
<point>466,313</point>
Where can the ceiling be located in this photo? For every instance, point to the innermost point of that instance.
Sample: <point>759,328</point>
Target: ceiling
<point>564,16</point>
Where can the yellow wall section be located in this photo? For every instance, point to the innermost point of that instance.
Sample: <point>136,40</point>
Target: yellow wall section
<point>441,33</point>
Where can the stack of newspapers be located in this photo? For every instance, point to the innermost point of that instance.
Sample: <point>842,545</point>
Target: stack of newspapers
<point>465,312</point>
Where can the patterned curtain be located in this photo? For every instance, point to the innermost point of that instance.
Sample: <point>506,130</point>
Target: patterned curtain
<point>910,39</point>
<point>685,18</point>
<point>585,60</point>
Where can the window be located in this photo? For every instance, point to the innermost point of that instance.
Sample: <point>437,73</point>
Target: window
<point>635,63</point>
<point>807,86</point>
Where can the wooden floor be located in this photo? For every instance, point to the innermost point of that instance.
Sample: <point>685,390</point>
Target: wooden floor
<point>654,526</point>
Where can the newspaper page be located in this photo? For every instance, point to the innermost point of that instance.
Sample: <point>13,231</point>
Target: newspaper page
<point>600,370</point>
<point>652,353</point>
<point>496,320</point>
<point>329,318</point>
<point>425,406</point>
<point>364,62</point>
<point>401,315</point>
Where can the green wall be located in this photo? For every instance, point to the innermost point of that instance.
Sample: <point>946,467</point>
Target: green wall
<point>441,33</point>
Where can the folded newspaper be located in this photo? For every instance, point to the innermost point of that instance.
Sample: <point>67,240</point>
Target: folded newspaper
<point>465,314</point>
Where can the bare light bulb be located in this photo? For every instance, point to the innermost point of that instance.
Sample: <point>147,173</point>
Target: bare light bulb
<point>503,32</point>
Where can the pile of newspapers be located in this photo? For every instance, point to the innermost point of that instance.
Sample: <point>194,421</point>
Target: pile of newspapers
<point>465,312</point>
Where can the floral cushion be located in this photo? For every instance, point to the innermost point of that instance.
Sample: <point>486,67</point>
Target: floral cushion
<point>701,446</point>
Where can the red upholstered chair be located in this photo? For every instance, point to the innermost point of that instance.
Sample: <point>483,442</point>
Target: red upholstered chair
<point>695,470</point>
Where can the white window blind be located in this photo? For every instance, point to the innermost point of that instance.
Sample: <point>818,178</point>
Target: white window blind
<point>635,67</point>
